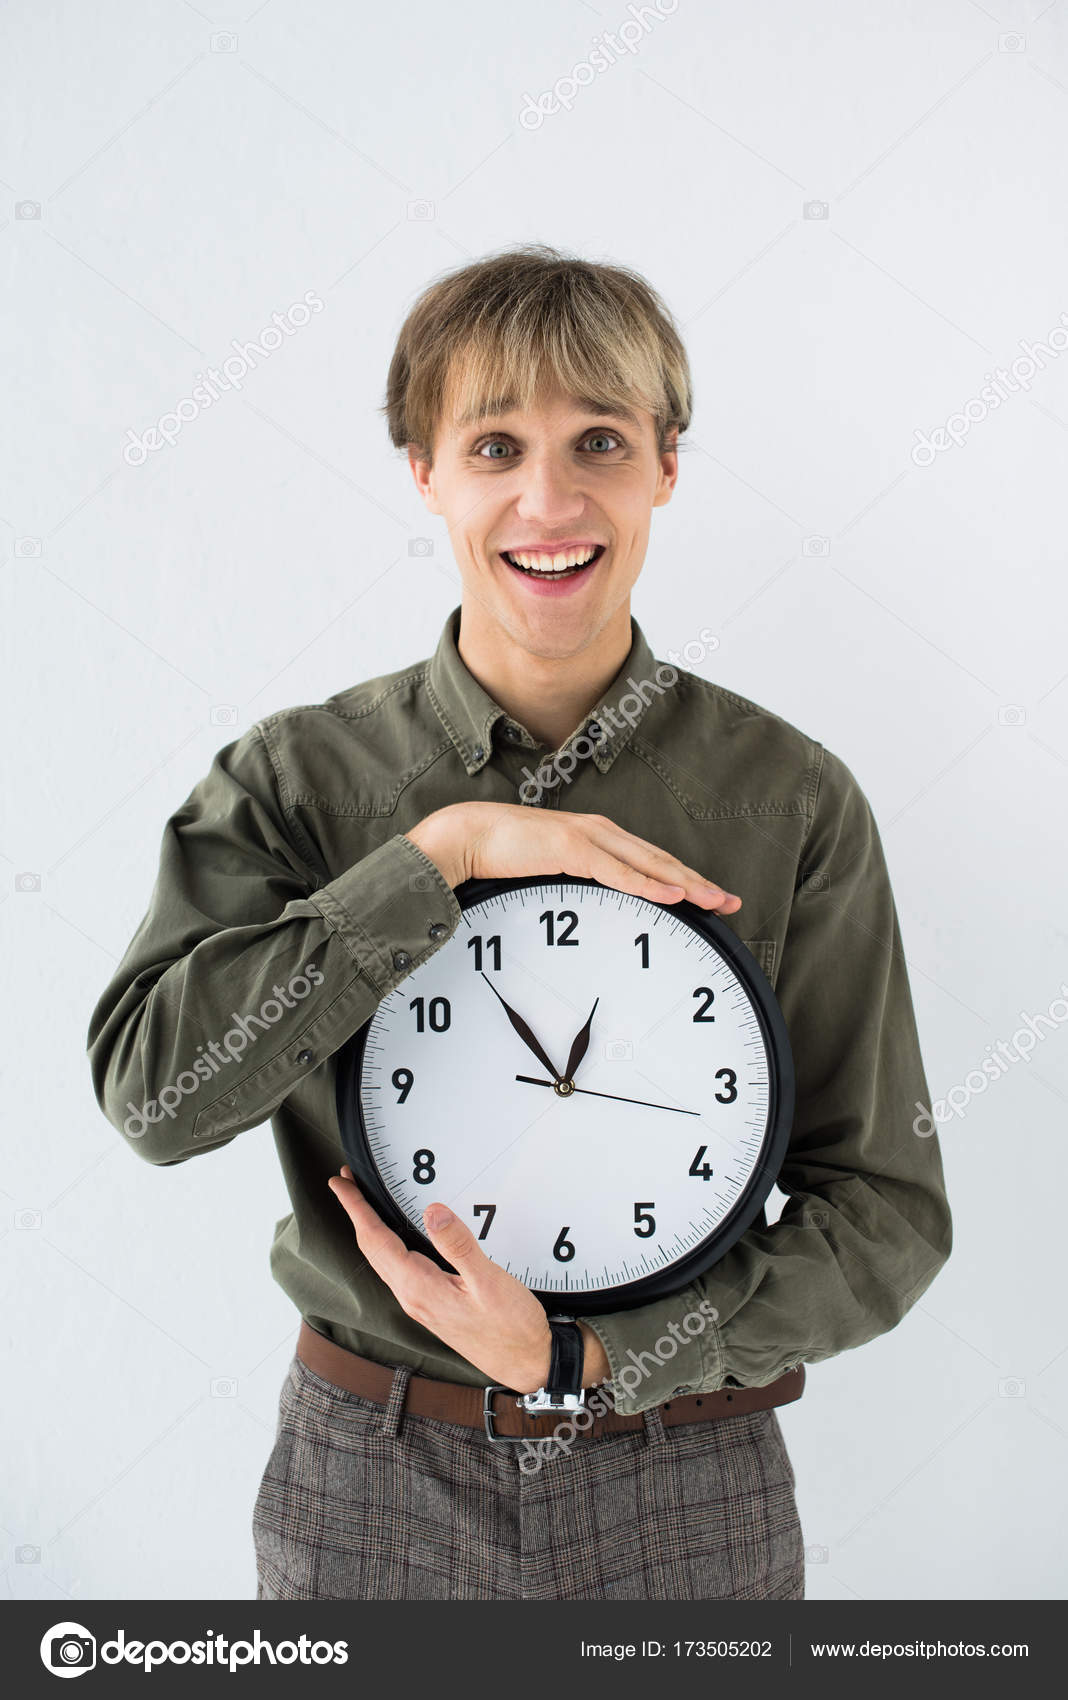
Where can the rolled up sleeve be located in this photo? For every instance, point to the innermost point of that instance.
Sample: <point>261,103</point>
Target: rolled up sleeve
<point>866,1226</point>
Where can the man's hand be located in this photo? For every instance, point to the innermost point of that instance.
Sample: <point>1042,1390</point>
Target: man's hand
<point>509,840</point>
<point>482,1312</point>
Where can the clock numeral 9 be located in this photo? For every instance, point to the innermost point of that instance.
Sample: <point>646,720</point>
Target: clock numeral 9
<point>439,1014</point>
<point>708,994</point>
<point>423,1169</point>
<point>731,1087</point>
<point>493,944</point>
<point>403,1079</point>
<point>551,936</point>
<point>563,1250</point>
<point>704,1173</point>
<point>477,1210</point>
<point>644,1224</point>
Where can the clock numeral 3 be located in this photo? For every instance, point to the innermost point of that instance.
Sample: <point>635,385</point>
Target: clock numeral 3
<point>493,945</point>
<point>551,935</point>
<point>402,1079</point>
<point>563,1250</point>
<point>477,1210</point>
<point>704,1173</point>
<point>438,1013</point>
<point>731,1088</point>
<point>708,994</point>
<point>644,1224</point>
<point>423,1169</point>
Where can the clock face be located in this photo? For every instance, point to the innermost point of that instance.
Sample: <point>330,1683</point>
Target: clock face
<point>602,1186</point>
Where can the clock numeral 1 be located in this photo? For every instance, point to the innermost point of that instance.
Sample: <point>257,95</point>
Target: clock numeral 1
<point>439,1014</point>
<point>423,1169</point>
<point>704,1173</point>
<point>643,940</point>
<point>708,994</point>
<point>563,1250</point>
<point>551,936</point>
<point>493,944</point>
<point>402,1079</point>
<point>644,1224</point>
<point>477,1210</point>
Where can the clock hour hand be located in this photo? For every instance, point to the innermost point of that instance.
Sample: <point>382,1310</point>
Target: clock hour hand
<point>530,1081</point>
<point>529,1038</point>
<point>580,1045</point>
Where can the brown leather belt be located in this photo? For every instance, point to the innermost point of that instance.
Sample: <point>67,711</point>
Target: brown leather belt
<point>451,1402</point>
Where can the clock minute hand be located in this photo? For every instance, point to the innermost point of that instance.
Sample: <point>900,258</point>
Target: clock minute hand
<point>530,1081</point>
<point>529,1038</point>
<point>580,1045</point>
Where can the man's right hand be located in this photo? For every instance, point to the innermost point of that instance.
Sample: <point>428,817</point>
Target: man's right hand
<point>509,841</point>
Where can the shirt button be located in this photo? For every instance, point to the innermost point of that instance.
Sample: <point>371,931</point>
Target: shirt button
<point>594,730</point>
<point>401,959</point>
<point>479,752</point>
<point>438,930</point>
<point>304,1057</point>
<point>681,1390</point>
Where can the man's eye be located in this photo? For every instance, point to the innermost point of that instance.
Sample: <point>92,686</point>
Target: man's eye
<point>608,437</point>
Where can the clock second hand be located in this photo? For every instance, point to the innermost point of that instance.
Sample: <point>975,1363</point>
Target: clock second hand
<point>530,1081</point>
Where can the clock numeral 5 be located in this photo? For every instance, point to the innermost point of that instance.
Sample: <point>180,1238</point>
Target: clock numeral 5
<point>563,1250</point>
<point>402,1079</point>
<point>644,1224</point>
<point>493,944</point>
<point>704,1173</point>
<point>708,994</point>
<point>423,1169</point>
<point>477,1210</point>
<point>439,1014</point>
<point>551,936</point>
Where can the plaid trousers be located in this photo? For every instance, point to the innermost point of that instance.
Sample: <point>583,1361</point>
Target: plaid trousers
<point>361,1501</point>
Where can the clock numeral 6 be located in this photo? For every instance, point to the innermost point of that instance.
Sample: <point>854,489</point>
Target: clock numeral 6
<point>423,1169</point>
<point>439,1014</point>
<point>551,935</point>
<point>704,1173</point>
<point>402,1079</point>
<point>493,944</point>
<point>563,1250</point>
<point>644,1224</point>
<point>477,1210</point>
<point>708,994</point>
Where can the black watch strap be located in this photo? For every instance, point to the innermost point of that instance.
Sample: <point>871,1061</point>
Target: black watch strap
<point>568,1356</point>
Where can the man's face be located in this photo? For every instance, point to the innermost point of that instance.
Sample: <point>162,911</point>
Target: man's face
<point>554,483</point>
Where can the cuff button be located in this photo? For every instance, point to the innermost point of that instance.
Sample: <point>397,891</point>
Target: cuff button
<point>438,930</point>
<point>401,959</point>
<point>304,1057</point>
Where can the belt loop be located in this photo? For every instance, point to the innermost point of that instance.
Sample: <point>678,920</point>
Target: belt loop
<point>654,1426</point>
<point>398,1393</point>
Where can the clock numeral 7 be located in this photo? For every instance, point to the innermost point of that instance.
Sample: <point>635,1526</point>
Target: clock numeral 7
<point>551,936</point>
<point>644,1224</point>
<point>477,1209</point>
<point>493,944</point>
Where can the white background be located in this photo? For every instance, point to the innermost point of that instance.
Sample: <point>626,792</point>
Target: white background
<point>186,193</point>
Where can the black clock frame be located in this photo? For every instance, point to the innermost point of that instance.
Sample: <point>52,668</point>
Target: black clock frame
<point>600,1301</point>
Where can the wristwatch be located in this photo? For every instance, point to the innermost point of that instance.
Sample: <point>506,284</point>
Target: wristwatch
<point>563,1390</point>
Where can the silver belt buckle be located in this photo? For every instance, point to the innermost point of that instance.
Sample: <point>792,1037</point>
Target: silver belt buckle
<point>535,1405</point>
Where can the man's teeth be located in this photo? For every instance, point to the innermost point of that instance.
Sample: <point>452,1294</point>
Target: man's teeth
<point>549,564</point>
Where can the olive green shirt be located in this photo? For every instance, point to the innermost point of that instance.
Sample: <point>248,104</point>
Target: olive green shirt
<point>289,902</point>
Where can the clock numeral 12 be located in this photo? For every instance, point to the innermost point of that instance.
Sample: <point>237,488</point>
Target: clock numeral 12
<point>493,944</point>
<point>477,1210</point>
<point>551,936</point>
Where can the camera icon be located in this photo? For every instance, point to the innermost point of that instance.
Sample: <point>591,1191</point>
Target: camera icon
<point>27,1555</point>
<point>223,1387</point>
<point>72,1649</point>
<point>27,548</point>
<point>816,209</point>
<point>223,42</point>
<point>1012,43</point>
<point>420,545</point>
<point>27,882</point>
<point>421,882</point>
<point>816,546</point>
<point>26,1220</point>
<point>618,1050</point>
<point>224,714</point>
<point>816,1555</point>
<point>1010,1388</point>
<point>1012,714</point>
<point>815,1218</point>
<point>420,209</point>
<point>27,209</point>
<point>819,881</point>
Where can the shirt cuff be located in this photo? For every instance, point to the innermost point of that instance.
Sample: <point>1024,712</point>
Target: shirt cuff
<point>661,1350</point>
<point>393,908</point>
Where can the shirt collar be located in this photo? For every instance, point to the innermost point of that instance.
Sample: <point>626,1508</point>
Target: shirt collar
<point>470,716</point>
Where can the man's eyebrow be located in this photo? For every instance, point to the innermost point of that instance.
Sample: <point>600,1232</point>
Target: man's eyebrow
<point>498,408</point>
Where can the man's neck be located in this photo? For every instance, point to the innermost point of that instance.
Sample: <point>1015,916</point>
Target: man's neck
<point>546,695</point>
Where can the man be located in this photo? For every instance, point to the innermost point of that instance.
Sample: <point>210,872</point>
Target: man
<point>540,401</point>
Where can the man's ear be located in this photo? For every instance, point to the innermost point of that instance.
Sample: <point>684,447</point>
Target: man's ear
<point>423,473</point>
<point>668,471</point>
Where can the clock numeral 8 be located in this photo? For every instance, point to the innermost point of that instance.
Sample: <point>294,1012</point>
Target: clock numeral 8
<point>423,1169</point>
<point>563,1250</point>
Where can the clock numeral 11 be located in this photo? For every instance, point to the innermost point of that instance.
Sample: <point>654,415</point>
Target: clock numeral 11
<point>492,944</point>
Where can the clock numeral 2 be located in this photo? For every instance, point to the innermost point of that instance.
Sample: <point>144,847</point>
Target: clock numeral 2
<point>704,1173</point>
<point>439,1014</point>
<point>709,995</point>
<point>402,1079</point>
<point>423,1169</point>
<point>563,1250</point>
<point>477,1210</point>
<point>493,944</point>
<point>551,936</point>
<point>644,1224</point>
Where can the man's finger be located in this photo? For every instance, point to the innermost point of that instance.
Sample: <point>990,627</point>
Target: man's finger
<point>384,1250</point>
<point>454,1240</point>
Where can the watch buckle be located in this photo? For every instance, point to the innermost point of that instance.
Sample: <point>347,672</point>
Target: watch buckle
<point>537,1404</point>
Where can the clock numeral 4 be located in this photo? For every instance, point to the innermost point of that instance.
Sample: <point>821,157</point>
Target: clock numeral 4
<point>438,1013</point>
<point>403,1079</point>
<point>550,921</point>
<point>563,1250</point>
<point>704,1173</point>
<point>493,945</point>
<point>709,995</point>
<point>644,1224</point>
<point>423,1169</point>
<point>477,1210</point>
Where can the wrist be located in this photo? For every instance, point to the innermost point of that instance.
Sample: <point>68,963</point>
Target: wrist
<point>596,1367</point>
<point>436,837</point>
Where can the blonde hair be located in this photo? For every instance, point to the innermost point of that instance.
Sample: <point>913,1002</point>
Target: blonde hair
<point>489,336</point>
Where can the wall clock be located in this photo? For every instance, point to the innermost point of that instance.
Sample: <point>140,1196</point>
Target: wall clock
<point>600,1086</point>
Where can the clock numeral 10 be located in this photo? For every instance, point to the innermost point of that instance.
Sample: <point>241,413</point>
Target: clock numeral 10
<point>644,1224</point>
<point>477,1210</point>
<point>704,1173</point>
<point>439,1014</point>
<point>493,944</point>
<point>551,936</point>
<point>563,1250</point>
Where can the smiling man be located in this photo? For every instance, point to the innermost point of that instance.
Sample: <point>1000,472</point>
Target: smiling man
<point>539,399</point>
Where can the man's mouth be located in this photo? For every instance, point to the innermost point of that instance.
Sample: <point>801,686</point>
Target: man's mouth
<point>566,562</point>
